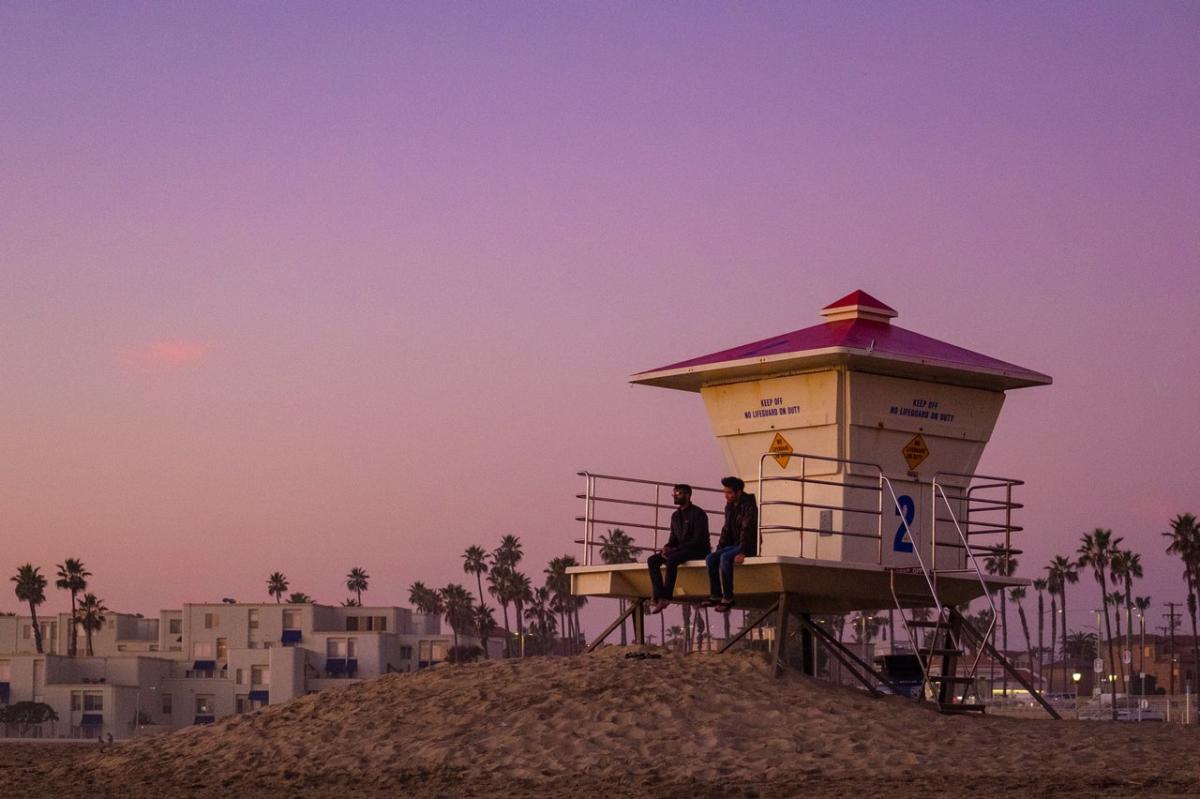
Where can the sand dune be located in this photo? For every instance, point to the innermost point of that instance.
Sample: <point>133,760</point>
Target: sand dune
<point>605,725</point>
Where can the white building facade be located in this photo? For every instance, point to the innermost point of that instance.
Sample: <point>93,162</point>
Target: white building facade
<point>203,662</point>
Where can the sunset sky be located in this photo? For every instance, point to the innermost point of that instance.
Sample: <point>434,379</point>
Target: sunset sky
<point>310,286</point>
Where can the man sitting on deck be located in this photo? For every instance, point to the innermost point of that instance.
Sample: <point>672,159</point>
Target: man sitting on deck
<point>739,540</point>
<point>688,541</point>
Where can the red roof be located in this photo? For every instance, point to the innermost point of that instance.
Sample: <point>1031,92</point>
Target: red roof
<point>865,339</point>
<point>859,297</point>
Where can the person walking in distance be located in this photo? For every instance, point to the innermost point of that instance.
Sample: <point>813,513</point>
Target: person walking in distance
<point>688,541</point>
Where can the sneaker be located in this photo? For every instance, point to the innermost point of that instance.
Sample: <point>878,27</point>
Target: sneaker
<point>712,601</point>
<point>658,605</point>
<point>724,606</point>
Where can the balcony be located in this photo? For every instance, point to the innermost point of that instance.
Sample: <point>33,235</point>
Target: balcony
<point>341,667</point>
<point>290,637</point>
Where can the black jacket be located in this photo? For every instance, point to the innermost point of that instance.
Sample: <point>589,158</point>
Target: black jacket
<point>741,525</point>
<point>689,532</point>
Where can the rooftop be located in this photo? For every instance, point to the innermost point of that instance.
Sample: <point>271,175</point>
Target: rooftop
<point>858,332</point>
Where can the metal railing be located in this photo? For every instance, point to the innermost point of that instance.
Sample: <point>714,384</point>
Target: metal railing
<point>614,499</point>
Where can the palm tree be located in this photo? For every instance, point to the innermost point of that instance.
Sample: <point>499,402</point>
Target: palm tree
<point>475,562</point>
<point>424,599</point>
<point>72,576</point>
<point>91,617</point>
<point>1000,561</point>
<point>356,581</point>
<point>1125,567</point>
<point>1142,603</point>
<point>1081,646</point>
<point>1063,572</point>
<point>866,626</point>
<point>485,625</point>
<point>277,586</point>
<point>1095,550</point>
<point>559,584</point>
<point>1185,542</point>
<point>542,623</point>
<point>1018,593</point>
<point>458,609</point>
<point>509,552</point>
<point>520,594</point>
<point>617,547</point>
<point>499,581</point>
<point>299,598</point>
<point>1039,585</point>
<point>31,588</point>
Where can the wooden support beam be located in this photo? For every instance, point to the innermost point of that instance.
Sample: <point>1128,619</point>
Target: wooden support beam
<point>808,645</point>
<point>639,622</point>
<point>746,629</point>
<point>634,604</point>
<point>847,658</point>
<point>779,645</point>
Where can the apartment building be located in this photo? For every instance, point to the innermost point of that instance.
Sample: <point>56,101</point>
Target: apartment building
<point>197,664</point>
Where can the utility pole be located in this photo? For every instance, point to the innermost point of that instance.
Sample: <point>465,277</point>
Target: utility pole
<point>1172,620</point>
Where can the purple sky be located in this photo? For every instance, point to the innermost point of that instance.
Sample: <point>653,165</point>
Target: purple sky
<point>302,287</point>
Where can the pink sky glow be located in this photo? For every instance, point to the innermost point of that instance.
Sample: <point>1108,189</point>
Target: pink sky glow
<point>434,240</point>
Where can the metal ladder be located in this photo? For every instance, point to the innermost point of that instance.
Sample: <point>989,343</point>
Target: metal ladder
<point>943,653</point>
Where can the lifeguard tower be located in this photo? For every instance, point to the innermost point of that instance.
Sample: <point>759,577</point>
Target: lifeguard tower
<point>860,440</point>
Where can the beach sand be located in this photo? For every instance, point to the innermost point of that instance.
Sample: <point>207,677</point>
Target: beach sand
<point>603,725</point>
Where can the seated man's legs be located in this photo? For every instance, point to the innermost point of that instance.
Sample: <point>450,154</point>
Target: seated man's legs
<point>654,563</point>
<point>713,562</point>
<point>727,556</point>
<point>673,562</point>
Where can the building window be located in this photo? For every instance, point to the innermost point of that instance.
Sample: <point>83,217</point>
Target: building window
<point>93,702</point>
<point>77,701</point>
<point>28,632</point>
<point>381,624</point>
<point>202,649</point>
<point>243,703</point>
<point>204,704</point>
<point>175,626</point>
<point>252,619</point>
<point>335,648</point>
<point>352,624</point>
<point>350,648</point>
<point>211,620</point>
<point>291,619</point>
<point>222,649</point>
<point>406,652</point>
<point>167,707</point>
<point>239,677</point>
<point>260,675</point>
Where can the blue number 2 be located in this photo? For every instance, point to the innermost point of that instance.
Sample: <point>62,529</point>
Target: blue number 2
<point>905,503</point>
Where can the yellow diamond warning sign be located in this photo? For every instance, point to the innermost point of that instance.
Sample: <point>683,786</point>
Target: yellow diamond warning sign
<point>915,451</point>
<point>782,450</point>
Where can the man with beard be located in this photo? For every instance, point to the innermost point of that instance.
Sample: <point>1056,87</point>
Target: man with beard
<point>688,541</point>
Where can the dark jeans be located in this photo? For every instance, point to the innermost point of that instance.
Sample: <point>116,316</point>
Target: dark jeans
<point>665,590</point>
<point>722,585</point>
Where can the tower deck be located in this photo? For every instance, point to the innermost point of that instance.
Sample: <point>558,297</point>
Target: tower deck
<point>819,586</point>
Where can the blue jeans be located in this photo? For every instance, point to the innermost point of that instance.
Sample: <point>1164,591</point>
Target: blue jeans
<point>722,559</point>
